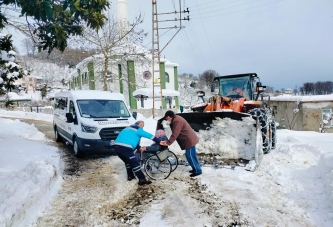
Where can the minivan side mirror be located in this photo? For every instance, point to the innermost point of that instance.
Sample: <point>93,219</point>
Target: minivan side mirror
<point>135,114</point>
<point>69,117</point>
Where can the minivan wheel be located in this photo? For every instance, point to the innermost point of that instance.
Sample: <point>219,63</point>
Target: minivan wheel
<point>77,152</point>
<point>57,135</point>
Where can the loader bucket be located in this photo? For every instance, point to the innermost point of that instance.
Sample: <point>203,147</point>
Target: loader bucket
<point>224,143</point>
<point>202,121</point>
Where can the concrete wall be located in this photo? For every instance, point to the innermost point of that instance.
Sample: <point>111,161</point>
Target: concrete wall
<point>312,115</point>
<point>285,115</point>
<point>308,118</point>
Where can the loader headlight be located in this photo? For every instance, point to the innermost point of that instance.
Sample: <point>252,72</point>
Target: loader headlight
<point>88,129</point>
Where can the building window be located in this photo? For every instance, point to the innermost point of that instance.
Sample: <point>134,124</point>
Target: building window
<point>30,79</point>
<point>167,78</point>
<point>327,117</point>
<point>23,78</point>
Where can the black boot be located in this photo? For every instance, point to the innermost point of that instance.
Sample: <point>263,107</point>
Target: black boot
<point>144,181</point>
<point>130,178</point>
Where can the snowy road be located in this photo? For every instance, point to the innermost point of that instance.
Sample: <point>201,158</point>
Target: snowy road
<point>280,193</point>
<point>95,193</point>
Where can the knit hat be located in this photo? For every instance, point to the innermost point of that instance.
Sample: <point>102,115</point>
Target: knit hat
<point>169,113</point>
<point>159,133</point>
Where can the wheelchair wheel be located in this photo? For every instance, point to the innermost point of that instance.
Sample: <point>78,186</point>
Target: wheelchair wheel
<point>173,161</point>
<point>156,169</point>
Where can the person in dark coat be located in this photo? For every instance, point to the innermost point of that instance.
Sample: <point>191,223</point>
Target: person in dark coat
<point>186,138</point>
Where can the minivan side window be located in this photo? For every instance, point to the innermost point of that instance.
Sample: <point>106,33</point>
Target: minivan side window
<point>56,105</point>
<point>72,110</point>
<point>60,105</point>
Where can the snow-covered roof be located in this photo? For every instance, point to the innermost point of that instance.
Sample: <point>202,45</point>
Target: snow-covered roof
<point>93,94</point>
<point>148,92</point>
<point>312,98</point>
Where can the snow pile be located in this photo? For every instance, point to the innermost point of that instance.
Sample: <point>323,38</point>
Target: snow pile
<point>27,115</point>
<point>229,139</point>
<point>29,173</point>
<point>27,131</point>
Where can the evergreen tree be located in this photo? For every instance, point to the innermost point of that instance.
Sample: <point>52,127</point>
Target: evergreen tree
<point>53,22</point>
<point>10,70</point>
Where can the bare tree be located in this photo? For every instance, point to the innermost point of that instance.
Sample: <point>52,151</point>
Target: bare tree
<point>208,76</point>
<point>187,93</point>
<point>113,44</point>
<point>69,57</point>
<point>269,90</point>
<point>318,88</point>
<point>327,87</point>
<point>290,117</point>
<point>308,88</point>
<point>29,46</point>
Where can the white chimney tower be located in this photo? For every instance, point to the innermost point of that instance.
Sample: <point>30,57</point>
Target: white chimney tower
<point>123,24</point>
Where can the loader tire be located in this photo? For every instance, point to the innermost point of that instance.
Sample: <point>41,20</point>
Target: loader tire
<point>273,132</point>
<point>265,128</point>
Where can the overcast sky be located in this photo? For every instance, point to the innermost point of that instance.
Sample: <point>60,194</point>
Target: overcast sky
<point>286,42</point>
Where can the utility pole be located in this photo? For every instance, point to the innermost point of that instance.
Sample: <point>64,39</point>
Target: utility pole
<point>155,51</point>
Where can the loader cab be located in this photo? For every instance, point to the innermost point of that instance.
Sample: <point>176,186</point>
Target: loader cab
<point>238,86</point>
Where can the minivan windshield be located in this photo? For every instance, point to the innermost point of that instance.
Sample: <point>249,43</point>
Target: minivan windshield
<point>102,108</point>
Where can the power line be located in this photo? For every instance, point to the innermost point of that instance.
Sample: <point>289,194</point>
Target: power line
<point>203,25</point>
<point>226,3</point>
<point>199,47</point>
<point>192,48</point>
<point>158,36</point>
<point>236,11</point>
<point>190,51</point>
<point>174,5</point>
<point>226,7</point>
<point>208,3</point>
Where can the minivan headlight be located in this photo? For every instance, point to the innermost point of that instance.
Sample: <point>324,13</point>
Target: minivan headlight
<point>88,129</point>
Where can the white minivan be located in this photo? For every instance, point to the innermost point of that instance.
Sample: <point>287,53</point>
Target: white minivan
<point>90,120</point>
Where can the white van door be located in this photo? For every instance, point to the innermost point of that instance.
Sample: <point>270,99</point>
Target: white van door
<point>71,127</point>
<point>61,104</point>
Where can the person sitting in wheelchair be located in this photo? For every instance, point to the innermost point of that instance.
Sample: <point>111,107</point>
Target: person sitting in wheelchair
<point>152,149</point>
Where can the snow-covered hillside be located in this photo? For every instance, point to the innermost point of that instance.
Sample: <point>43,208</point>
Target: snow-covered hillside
<point>52,74</point>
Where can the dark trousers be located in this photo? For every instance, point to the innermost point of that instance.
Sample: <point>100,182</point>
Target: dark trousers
<point>191,156</point>
<point>131,162</point>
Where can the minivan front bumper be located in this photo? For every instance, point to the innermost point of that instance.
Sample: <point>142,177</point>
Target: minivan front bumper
<point>92,146</point>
